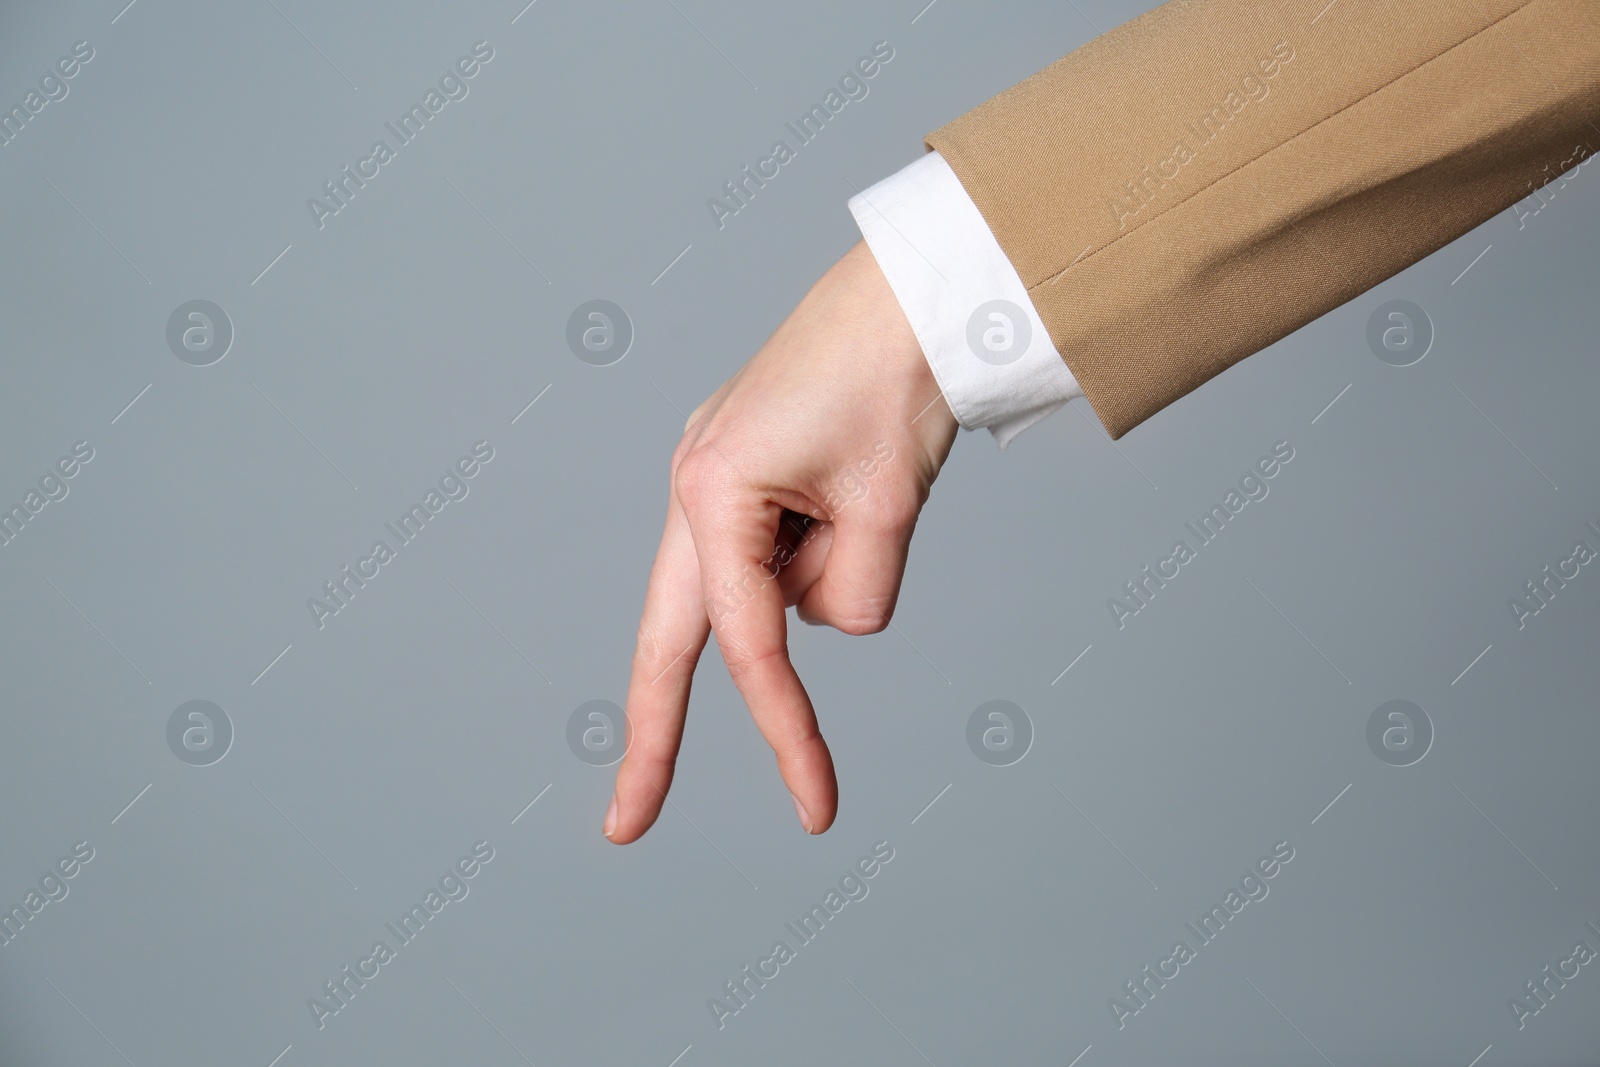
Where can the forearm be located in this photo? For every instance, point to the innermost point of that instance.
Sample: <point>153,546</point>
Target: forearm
<point>1203,180</point>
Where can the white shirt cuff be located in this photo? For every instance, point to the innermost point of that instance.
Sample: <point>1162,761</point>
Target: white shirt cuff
<point>989,350</point>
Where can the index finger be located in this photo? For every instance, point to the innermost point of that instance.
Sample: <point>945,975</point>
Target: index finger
<point>672,634</point>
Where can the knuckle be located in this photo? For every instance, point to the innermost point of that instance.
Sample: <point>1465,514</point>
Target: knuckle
<point>848,610</point>
<point>692,432</point>
<point>803,735</point>
<point>684,447</point>
<point>895,510</point>
<point>801,749</point>
<point>863,624</point>
<point>741,665</point>
<point>694,416</point>
<point>864,615</point>
<point>695,474</point>
<point>655,657</point>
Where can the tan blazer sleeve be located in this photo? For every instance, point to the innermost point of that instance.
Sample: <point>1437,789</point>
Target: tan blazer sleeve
<point>1201,181</point>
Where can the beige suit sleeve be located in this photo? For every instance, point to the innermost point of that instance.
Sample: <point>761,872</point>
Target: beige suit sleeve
<point>1203,180</point>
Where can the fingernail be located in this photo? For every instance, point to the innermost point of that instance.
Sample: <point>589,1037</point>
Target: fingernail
<point>799,809</point>
<point>611,818</point>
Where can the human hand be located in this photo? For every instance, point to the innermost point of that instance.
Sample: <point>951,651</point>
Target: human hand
<point>797,483</point>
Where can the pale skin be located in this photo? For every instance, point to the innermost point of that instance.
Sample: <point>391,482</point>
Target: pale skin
<point>841,384</point>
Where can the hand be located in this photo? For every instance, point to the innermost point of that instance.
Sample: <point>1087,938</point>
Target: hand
<point>797,483</point>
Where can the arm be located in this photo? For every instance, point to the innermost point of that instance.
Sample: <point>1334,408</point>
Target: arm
<point>1350,142</point>
<point>1209,177</point>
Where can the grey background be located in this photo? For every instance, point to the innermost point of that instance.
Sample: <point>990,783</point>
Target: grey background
<point>374,752</point>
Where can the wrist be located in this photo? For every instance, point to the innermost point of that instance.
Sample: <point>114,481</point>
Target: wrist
<point>919,398</point>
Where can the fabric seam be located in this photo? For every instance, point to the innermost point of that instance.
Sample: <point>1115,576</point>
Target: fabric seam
<point>1053,278</point>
